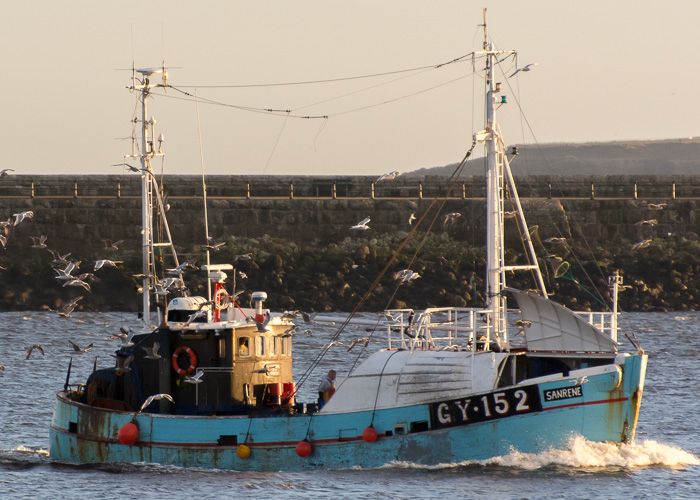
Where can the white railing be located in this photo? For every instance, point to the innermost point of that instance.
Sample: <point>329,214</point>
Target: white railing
<point>440,327</point>
<point>457,327</point>
<point>603,321</point>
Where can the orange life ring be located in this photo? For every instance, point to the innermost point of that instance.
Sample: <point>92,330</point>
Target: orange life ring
<point>193,360</point>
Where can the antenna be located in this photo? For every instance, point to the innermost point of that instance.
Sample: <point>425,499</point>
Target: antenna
<point>133,64</point>
<point>162,50</point>
<point>204,193</point>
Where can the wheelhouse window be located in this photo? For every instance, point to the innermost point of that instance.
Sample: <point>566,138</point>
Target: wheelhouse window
<point>244,346</point>
<point>260,346</point>
<point>285,344</point>
<point>275,346</point>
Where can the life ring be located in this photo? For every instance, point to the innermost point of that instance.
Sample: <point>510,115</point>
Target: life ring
<point>222,300</point>
<point>192,358</point>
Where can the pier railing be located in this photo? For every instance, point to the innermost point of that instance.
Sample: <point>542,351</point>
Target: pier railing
<point>324,188</point>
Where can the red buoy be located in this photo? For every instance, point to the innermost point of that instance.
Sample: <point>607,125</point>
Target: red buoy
<point>370,434</point>
<point>128,434</point>
<point>303,448</point>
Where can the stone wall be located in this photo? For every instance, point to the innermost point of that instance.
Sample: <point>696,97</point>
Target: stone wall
<point>82,210</point>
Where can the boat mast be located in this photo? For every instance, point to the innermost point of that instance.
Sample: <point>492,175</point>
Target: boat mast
<point>495,272</point>
<point>148,187</point>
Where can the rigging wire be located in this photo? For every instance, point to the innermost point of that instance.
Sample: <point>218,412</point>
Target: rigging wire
<point>289,112</point>
<point>453,180</point>
<point>571,216</point>
<point>331,80</point>
<point>454,177</point>
<point>274,148</point>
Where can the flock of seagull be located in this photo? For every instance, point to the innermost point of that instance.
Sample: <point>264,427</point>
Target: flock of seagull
<point>162,287</point>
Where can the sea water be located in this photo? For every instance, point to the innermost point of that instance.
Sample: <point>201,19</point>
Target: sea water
<point>662,462</point>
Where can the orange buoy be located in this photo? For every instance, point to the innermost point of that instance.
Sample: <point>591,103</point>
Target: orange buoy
<point>128,433</point>
<point>191,360</point>
<point>243,451</point>
<point>370,434</point>
<point>303,448</point>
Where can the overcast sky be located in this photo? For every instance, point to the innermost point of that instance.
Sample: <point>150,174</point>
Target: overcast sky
<point>606,70</point>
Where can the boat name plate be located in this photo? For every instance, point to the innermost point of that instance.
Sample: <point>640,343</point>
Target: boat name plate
<point>480,408</point>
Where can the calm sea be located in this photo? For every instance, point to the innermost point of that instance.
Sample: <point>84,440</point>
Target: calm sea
<point>662,463</point>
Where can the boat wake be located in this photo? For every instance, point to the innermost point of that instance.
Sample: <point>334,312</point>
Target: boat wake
<point>585,454</point>
<point>23,457</point>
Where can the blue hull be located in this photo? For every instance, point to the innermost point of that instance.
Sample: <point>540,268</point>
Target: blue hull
<point>528,419</point>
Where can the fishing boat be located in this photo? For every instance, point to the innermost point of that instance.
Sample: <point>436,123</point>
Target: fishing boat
<point>210,384</point>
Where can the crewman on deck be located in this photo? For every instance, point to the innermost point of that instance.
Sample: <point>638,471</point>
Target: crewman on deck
<point>326,389</point>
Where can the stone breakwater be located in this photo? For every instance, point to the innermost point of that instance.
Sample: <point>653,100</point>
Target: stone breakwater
<point>306,255</point>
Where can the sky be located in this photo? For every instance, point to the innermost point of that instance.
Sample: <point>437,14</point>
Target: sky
<point>606,71</point>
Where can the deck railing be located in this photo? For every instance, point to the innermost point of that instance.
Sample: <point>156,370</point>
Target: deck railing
<point>457,328</point>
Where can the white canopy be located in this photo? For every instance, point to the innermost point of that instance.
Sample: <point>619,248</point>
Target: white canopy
<point>553,327</point>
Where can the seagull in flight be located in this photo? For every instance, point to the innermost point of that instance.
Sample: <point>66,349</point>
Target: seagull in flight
<point>78,349</point>
<point>67,309</point>
<point>31,348</point>
<point>309,318</point>
<point>125,336</point>
<point>210,246</point>
<point>202,313</point>
<point>261,325</point>
<point>109,245</point>
<point>123,364</point>
<point>401,274</point>
<point>188,264</point>
<point>5,171</point>
<point>654,206</point>
<point>105,262</point>
<point>21,216</point>
<point>362,225</point>
<point>196,379</point>
<point>411,218</point>
<point>59,259</point>
<point>364,341</point>
<point>555,241</point>
<point>641,244</point>
<point>39,241</point>
<point>450,218</point>
<point>527,67</point>
<point>77,282</point>
<point>410,277</point>
<point>245,256</point>
<point>156,397</point>
<point>390,176</point>
<point>152,352</point>
<point>649,223</point>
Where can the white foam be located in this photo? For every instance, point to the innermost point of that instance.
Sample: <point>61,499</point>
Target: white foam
<point>24,449</point>
<point>583,453</point>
